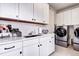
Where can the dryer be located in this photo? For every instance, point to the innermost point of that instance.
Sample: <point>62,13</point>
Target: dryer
<point>76,37</point>
<point>62,36</point>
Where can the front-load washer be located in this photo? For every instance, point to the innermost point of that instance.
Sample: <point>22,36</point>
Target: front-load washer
<point>76,38</point>
<point>62,36</point>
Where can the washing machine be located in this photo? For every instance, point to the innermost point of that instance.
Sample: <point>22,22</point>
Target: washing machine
<point>76,38</point>
<point>62,36</point>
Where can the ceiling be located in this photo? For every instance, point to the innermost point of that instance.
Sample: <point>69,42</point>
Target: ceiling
<point>59,6</point>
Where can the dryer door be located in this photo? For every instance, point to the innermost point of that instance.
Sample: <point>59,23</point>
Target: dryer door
<point>76,32</point>
<point>61,32</point>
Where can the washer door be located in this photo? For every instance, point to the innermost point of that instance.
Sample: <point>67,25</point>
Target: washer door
<point>61,32</point>
<point>76,32</point>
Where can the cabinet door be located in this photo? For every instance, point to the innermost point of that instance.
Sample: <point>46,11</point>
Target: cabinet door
<point>75,16</point>
<point>43,48</point>
<point>32,50</point>
<point>17,52</point>
<point>9,10</point>
<point>67,18</point>
<point>46,13</point>
<point>50,45</point>
<point>38,12</point>
<point>59,19</point>
<point>26,11</point>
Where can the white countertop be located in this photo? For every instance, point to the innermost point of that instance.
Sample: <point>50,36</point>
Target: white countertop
<point>15,39</point>
<point>10,40</point>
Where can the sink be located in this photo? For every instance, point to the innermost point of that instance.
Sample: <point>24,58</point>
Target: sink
<point>31,36</point>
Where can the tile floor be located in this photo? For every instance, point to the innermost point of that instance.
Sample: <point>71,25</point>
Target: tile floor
<point>62,51</point>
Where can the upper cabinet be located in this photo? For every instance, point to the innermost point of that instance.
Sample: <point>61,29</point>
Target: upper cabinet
<point>75,16</point>
<point>67,17</point>
<point>46,13</point>
<point>38,12</point>
<point>41,12</point>
<point>26,11</point>
<point>9,10</point>
<point>33,12</point>
<point>60,19</point>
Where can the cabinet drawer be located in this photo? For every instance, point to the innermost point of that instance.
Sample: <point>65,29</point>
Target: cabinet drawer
<point>30,41</point>
<point>10,47</point>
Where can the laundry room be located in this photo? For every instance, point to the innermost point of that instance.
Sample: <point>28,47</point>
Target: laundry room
<point>39,29</point>
<point>67,30</point>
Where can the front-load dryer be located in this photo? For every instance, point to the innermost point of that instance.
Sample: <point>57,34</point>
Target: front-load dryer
<point>76,37</point>
<point>62,36</point>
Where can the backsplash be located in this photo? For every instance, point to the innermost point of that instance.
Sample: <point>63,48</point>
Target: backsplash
<point>25,28</point>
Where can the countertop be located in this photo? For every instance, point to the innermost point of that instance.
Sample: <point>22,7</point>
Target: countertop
<point>15,39</point>
<point>10,40</point>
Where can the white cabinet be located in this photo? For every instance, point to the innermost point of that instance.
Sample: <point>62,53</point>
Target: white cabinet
<point>67,17</point>
<point>41,12</point>
<point>38,12</point>
<point>47,45</point>
<point>11,49</point>
<point>9,10</point>
<point>30,47</point>
<point>43,48</point>
<point>75,16</point>
<point>46,13</point>
<point>26,11</point>
<point>50,45</point>
<point>59,19</point>
<point>16,52</point>
<point>31,50</point>
<point>34,12</point>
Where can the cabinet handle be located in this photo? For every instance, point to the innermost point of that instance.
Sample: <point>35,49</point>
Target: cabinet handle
<point>9,48</point>
<point>51,37</point>
<point>20,52</point>
<point>40,44</point>
<point>43,21</point>
<point>49,41</point>
<point>32,19</point>
<point>16,15</point>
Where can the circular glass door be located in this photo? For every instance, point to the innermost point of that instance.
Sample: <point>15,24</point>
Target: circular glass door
<point>61,32</point>
<point>76,32</point>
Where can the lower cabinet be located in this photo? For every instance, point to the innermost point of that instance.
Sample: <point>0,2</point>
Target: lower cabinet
<point>43,49</point>
<point>42,46</point>
<point>32,50</point>
<point>50,45</point>
<point>17,52</point>
<point>36,46</point>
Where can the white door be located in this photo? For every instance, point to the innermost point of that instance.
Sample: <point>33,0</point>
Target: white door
<point>67,18</point>
<point>43,48</point>
<point>46,13</point>
<point>50,45</point>
<point>75,16</point>
<point>38,12</point>
<point>26,11</point>
<point>32,50</point>
<point>9,10</point>
<point>16,52</point>
<point>59,19</point>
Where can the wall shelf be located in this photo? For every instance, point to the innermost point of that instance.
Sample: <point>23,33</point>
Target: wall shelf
<point>22,21</point>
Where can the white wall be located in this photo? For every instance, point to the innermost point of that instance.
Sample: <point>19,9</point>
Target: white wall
<point>51,19</point>
<point>71,33</point>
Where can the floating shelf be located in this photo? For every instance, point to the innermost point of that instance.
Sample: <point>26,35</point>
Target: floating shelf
<point>17,20</point>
